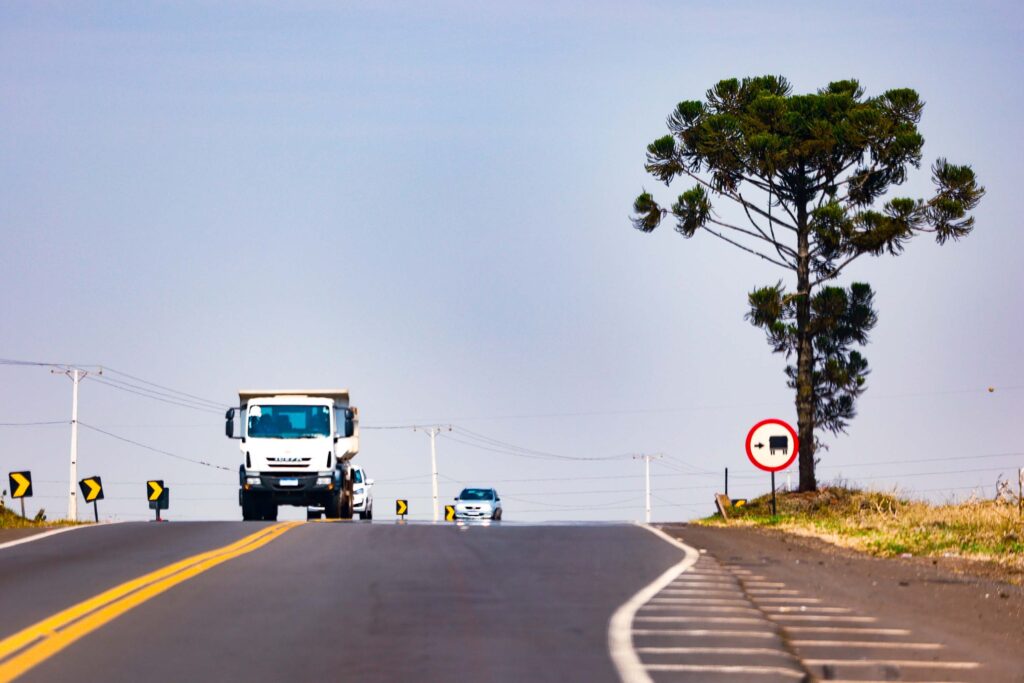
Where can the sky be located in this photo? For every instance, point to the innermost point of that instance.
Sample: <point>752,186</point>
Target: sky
<point>429,205</point>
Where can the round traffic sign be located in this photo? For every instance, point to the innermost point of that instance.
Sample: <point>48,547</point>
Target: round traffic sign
<point>772,445</point>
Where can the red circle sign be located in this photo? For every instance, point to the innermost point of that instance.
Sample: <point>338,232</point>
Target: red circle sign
<point>772,445</point>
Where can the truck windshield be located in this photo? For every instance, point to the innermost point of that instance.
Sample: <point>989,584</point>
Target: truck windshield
<point>289,422</point>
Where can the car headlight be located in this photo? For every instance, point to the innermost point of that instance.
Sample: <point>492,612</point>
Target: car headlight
<point>360,490</point>
<point>252,481</point>
<point>323,481</point>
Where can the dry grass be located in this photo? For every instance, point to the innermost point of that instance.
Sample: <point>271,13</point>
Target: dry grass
<point>9,519</point>
<point>887,524</point>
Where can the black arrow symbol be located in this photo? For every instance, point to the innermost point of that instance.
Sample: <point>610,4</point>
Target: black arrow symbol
<point>758,445</point>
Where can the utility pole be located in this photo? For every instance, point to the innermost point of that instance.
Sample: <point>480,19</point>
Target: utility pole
<point>76,375</point>
<point>432,432</point>
<point>647,482</point>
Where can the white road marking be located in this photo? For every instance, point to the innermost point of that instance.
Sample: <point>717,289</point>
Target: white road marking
<point>698,601</point>
<point>881,644</point>
<point>620,627</point>
<point>793,600</point>
<point>849,629</point>
<point>760,651</point>
<point>783,609</point>
<point>704,620</point>
<point>686,591</point>
<point>772,591</point>
<point>823,617</point>
<point>907,663</point>
<point>727,669</point>
<point>764,584</point>
<point>700,608</point>
<point>702,632</point>
<point>54,532</point>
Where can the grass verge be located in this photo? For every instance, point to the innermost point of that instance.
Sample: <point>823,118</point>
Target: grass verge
<point>9,519</point>
<point>888,524</point>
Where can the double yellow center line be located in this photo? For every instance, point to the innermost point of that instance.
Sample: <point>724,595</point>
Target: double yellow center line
<point>30,646</point>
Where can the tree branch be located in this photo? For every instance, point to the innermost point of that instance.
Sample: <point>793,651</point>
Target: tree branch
<point>835,272</point>
<point>747,249</point>
<point>755,235</point>
<point>774,240</point>
<point>753,207</point>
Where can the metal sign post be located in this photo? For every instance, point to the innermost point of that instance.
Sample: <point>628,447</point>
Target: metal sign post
<point>92,489</point>
<point>772,445</point>
<point>774,509</point>
<point>21,487</point>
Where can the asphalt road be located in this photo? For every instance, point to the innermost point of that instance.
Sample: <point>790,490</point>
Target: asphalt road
<point>342,601</point>
<point>499,602</point>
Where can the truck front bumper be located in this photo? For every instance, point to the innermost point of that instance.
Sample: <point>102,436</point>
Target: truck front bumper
<point>297,488</point>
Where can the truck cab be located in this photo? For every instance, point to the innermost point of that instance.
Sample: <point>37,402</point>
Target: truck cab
<point>296,450</point>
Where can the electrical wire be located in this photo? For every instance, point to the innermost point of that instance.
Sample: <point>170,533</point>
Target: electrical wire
<point>215,404</point>
<point>155,450</point>
<point>157,398</point>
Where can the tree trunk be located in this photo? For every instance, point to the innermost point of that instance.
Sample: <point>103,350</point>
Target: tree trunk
<point>804,355</point>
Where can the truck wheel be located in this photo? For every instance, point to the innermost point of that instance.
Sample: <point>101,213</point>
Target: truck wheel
<point>250,512</point>
<point>345,509</point>
<point>333,508</point>
<point>269,510</point>
<point>313,514</point>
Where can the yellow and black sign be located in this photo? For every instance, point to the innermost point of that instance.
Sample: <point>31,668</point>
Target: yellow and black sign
<point>21,484</point>
<point>401,507</point>
<point>449,513</point>
<point>92,489</point>
<point>159,496</point>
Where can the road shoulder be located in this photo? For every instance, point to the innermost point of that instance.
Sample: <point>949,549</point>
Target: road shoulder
<point>973,617</point>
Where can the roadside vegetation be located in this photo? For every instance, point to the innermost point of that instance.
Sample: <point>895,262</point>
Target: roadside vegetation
<point>10,519</point>
<point>888,524</point>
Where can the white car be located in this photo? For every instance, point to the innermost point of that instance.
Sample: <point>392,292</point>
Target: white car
<point>362,493</point>
<point>478,504</point>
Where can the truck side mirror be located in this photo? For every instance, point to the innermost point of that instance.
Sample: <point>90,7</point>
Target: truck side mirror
<point>229,423</point>
<point>350,422</point>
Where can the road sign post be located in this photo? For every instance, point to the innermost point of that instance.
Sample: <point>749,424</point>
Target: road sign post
<point>92,490</point>
<point>449,513</point>
<point>401,508</point>
<point>21,487</point>
<point>772,445</point>
<point>158,495</point>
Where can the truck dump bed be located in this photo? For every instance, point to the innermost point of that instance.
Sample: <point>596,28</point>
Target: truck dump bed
<point>340,396</point>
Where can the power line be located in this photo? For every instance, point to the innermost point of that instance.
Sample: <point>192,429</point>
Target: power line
<point>512,449</point>
<point>216,404</point>
<point>33,424</point>
<point>920,460</point>
<point>155,450</point>
<point>192,406</point>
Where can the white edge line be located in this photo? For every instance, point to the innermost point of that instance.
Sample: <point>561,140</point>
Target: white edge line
<point>620,628</point>
<point>52,532</point>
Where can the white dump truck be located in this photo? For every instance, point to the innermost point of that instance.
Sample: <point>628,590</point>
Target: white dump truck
<point>296,447</point>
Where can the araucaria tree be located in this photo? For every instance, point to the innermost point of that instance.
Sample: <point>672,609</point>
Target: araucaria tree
<point>810,178</point>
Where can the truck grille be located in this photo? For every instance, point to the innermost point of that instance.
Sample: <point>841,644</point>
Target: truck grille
<point>288,463</point>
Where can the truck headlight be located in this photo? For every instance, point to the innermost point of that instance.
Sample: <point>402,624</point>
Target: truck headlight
<point>323,481</point>
<point>252,481</point>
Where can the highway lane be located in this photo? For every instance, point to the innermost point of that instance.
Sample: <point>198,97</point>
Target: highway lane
<point>41,577</point>
<point>344,601</point>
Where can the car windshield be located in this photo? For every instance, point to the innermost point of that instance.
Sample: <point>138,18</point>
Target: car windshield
<point>289,422</point>
<point>476,494</point>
